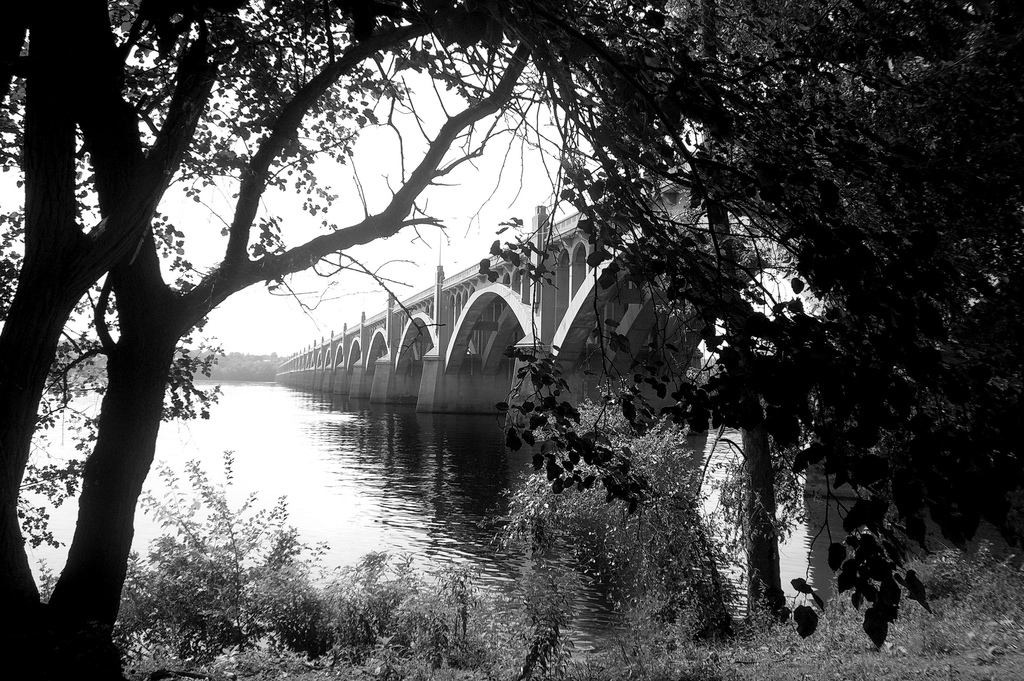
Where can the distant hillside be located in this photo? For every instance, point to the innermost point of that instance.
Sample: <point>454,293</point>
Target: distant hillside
<point>236,366</point>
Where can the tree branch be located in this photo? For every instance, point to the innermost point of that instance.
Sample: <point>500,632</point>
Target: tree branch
<point>233,276</point>
<point>196,76</point>
<point>100,316</point>
<point>254,180</point>
<point>13,28</point>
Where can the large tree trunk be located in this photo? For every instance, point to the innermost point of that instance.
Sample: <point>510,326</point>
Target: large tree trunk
<point>27,348</point>
<point>764,584</point>
<point>151,322</point>
<point>45,297</point>
<point>89,588</point>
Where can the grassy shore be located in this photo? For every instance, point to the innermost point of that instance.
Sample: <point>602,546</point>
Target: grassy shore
<point>976,631</point>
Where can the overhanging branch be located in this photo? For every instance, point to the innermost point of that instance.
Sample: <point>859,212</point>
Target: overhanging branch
<point>233,275</point>
<point>254,180</point>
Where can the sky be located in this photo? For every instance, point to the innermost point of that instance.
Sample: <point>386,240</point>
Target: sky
<point>472,207</point>
<point>509,180</point>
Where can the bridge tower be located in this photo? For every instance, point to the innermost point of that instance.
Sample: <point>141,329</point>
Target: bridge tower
<point>544,293</point>
<point>384,365</point>
<point>431,391</point>
<point>358,387</point>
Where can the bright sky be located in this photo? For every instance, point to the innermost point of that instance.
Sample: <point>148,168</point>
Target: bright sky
<point>508,181</point>
<point>472,208</point>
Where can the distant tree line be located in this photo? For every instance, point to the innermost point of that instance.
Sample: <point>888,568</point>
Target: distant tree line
<point>236,366</point>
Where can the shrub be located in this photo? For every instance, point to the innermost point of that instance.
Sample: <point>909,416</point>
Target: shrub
<point>662,553</point>
<point>297,613</point>
<point>197,593</point>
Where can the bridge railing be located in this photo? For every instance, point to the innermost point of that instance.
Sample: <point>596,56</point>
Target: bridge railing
<point>561,228</point>
<point>419,297</point>
<point>566,225</point>
<point>465,274</point>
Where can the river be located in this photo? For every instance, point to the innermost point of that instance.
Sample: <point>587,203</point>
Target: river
<point>362,478</point>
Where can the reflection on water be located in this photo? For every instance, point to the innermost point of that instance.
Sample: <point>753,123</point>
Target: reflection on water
<point>804,553</point>
<point>436,480</point>
<point>363,478</point>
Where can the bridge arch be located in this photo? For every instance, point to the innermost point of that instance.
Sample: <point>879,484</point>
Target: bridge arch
<point>625,311</point>
<point>354,354</point>
<point>378,348</point>
<point>514,323</point>
<point>578,267</point>
<point>403,382</point>
<point>628,312</point>
<point>418,337</point>
<point>563,293</point>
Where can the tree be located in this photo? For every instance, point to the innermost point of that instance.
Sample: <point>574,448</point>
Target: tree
<point>827,152</point>
<point>870,144</point>
<point>191,92</point>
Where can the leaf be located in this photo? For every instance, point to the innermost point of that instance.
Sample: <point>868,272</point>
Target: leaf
<point>806,620</point>
<point>814,453</point>
<point>654,19</point>
<point>916,590</point>
<point>829,195</point>
<point>867,512</point>
<point>597,257</point>
<point>836,556</point>
<point>801,585</point>
<point>608,276</point>
<point>876,626</point>
<point>512,440</point>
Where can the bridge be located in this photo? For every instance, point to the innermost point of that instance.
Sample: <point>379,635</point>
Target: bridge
<point>444,348</point>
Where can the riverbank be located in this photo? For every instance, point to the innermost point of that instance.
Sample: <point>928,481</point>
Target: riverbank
<point>975,632</point>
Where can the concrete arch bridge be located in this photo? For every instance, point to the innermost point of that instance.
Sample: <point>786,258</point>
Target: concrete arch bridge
<point>444,348</point>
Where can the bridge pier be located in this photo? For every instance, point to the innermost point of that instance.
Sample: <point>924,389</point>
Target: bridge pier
<point>404,383</point>
<point>430,398</point>
<point>341,386</point>
<point>381,380</point>
<point>359,388</point>
<point>473,394</point>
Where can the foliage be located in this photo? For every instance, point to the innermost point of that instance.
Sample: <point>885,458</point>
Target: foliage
<point>229,578</point>
<point>196,593</point>
<point>237,366</point>
<point>662,553</point>
<point>231,99</point>
<point>869,145</point>
<point>184,399</point>
<point>976,636</point>
<point>57,483</point>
